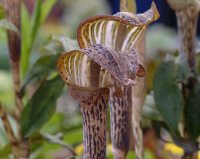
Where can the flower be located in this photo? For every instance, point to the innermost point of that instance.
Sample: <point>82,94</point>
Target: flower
<point>106,59</point>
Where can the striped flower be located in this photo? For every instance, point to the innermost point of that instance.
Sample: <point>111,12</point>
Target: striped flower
<point>107,59</point>
<point>102,37</point>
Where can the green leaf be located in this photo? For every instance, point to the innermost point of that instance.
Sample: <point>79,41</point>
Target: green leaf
<point>168,97</point>
<point>25,31</point>
<point>46,8</point>
<point>52,126</point>
<point>2,12</point>
<point>41,106</point>
<point>56,44</point>
<point>35,21</point>
<point>149,110</point>
<point>192,112</point>
<point>67,43</point>
<point>30,28</point>
<point>4,24</point>
<point>4,152</point>
<point>40,69</point>
<point>183,69</point>
<point>40,14</point>
<point>74,137</point>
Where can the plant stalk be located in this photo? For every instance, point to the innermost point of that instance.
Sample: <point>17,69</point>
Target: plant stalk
<point>187,19</point>
<point>13,14</point>
<point>187,27</point>
<point>120,116</point>
<point>12,8</point>
<point>120,105</point>
<point>7,126</point>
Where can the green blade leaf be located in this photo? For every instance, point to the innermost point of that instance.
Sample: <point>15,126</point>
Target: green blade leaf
<point>192,112</point>
<point>2,12</point>
<point>38,72</point>
<point>168,97</point>
<point>46,8</point>
<point>149,110</point>
<point>66,43</point>
<point>26,31</point>
<point>5,151</point>
<point>35,21</point>
<point>30,28</point>
<point>183,69</point>
<point>29,33</point>
<point>41,106</point>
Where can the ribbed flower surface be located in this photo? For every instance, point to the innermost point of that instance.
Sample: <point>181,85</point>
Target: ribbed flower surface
<point>108,40</point>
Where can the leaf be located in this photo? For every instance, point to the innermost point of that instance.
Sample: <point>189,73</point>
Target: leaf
<point>5,151</point>
<point>4,24</point>
<point>183,69</point>
<point>192,112</point>
<point>168,97</point>
<point>59,44</point>
<point>25,31</point>
<point>46,8</point>
<point>41,106</point>
<point>40,69</point>
<point>2,12</point>
<point>149,110</point>
<point>35,21</point>
<point>52,126</point>
<point>25,26</point>
<point>66,42</point>
<point>30,28</point>
<point>29,34</point>
<point>74,136</point>
<point>40,14</point>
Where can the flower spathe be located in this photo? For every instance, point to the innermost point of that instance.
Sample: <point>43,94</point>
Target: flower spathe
<point>104,32</point>
<point>107,59</point>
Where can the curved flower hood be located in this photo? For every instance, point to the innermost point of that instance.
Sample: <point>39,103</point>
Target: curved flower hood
<point>74,66</point>
<point>109,42</point>
<point>119,31</point>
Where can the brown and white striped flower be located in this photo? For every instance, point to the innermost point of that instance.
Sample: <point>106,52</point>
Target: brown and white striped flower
<point>107,59</point>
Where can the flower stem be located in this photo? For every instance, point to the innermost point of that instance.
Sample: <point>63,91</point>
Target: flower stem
<point>187,26</point>
<point>93,105</point>
<point>120,116</point>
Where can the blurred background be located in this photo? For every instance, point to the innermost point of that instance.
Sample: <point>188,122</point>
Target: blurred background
<point>66,123</point>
